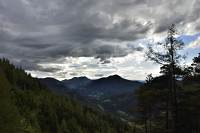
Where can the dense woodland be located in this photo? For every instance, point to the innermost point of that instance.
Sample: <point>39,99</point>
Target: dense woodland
<point>28,107</point>
<point>154,107</point>
<point>170,103</point>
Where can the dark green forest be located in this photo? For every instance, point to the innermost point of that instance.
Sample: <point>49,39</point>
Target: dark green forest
<point>26,106</point>
<point>170,103</point>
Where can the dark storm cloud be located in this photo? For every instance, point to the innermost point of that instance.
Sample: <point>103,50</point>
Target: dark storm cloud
<point>35,31</point>
<point>86,32</point>
<point>32,66</point>
<point>164,23</point>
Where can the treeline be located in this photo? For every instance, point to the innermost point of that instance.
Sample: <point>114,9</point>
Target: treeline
<point>26,106</point>
<point>170,103</point>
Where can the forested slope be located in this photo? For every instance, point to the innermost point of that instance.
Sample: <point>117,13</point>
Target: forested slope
<point>27,106</point>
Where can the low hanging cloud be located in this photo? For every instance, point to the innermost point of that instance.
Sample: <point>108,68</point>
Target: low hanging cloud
<point>33,32</point>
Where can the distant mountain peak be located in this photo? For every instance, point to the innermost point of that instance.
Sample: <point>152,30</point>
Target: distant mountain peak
<point>49,78</point>
<point>115,76</point>
<point>81,77</point>
<point>77,78</point>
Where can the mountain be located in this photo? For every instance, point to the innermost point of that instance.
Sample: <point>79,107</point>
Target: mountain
<point>100,88</point>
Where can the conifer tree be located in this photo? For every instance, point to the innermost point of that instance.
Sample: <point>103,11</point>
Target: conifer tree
<point>169,58</point>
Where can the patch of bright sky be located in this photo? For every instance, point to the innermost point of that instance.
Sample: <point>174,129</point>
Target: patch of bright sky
<point>133,66</point>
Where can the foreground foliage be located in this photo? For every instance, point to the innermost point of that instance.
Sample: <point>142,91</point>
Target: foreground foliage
<point>154,103</point>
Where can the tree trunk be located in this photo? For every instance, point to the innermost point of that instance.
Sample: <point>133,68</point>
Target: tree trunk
<point>167,113</point>
<point>146,130</point>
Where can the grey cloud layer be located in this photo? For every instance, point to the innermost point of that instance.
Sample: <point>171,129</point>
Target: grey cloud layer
<point>36,31</point>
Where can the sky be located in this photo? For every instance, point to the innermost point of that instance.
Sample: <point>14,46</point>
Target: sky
<point>93,38</point>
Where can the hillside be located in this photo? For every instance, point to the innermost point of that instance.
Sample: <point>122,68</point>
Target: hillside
<point>27,106</point>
